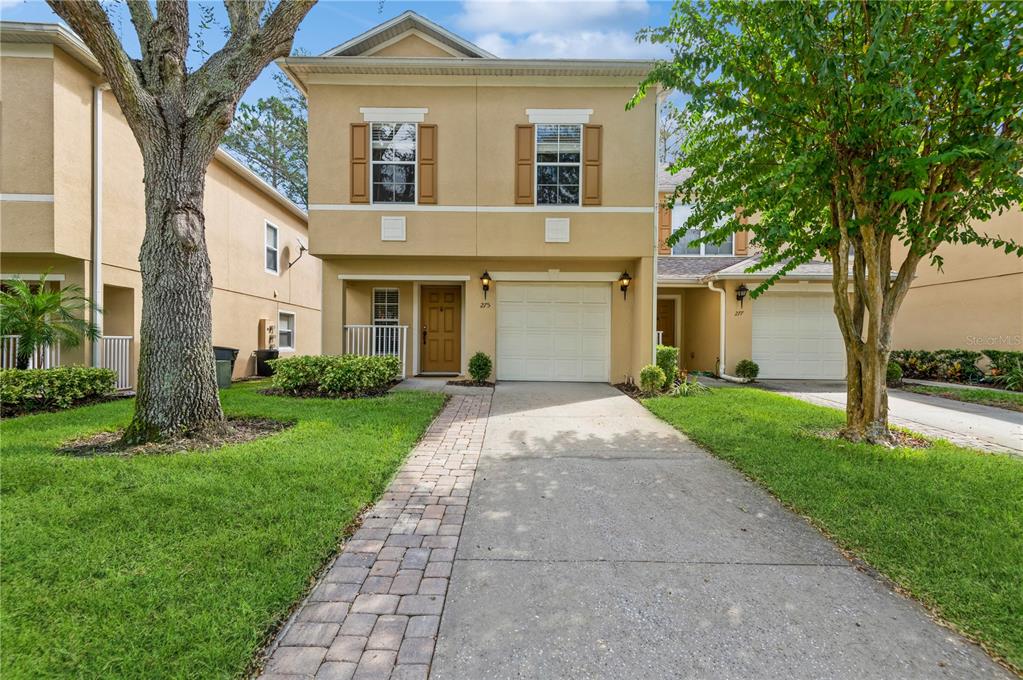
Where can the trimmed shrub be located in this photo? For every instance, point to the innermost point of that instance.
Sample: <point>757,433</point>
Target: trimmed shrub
<point>1011,378</point>
<point>951,365</point>
<point>667,359</point>
<point>335,376</point>
<point>651,379</point>
<point>49,388</point>
<point>480,367</point>
<point>1003,361</point>
<point>747,369</point>
<point>893,374</point>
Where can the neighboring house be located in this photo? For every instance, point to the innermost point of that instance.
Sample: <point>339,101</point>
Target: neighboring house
<point>976,300</point>
<point>790,331</point>
<point>72,203</point>
<point>433,163</point>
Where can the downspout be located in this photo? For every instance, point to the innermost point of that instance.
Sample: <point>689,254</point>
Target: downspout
<point>658,100</point>
<point>721,334</point>
<point>97,219</point>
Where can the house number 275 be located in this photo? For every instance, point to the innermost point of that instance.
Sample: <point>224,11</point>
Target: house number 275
<point>484,305</point>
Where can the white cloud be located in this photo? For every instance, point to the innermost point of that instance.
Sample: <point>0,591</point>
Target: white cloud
<point>528,16</point>
<point>7,4</point>
<point>571,45</point>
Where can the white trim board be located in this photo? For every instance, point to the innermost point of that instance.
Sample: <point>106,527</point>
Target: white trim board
<point>373,114</point>
<point>409,207</point>
<point>562,116</point>
<point>28,198</point>
<point>31,277</point>
<point>402,277</point>
<point>555,276</point>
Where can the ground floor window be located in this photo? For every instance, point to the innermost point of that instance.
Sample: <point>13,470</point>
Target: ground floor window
<point>385,318</point>
<point>286,330</point>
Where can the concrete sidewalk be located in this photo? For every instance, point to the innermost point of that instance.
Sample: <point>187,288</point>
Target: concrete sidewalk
<point>974,425</point>
<point>600,543</point>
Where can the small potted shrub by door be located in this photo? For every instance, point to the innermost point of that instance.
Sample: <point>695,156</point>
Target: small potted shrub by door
<point>264,369</point>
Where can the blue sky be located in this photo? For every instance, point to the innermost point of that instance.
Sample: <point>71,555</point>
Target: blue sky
<point>508,28</point>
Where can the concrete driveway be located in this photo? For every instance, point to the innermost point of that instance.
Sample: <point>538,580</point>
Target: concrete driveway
<point>600,543</point>
<point>973,425</point>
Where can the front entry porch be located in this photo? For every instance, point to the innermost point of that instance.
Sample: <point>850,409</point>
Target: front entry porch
<point>420,321</point>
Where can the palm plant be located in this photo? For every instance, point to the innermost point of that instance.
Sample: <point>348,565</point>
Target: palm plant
<point>41,316</point>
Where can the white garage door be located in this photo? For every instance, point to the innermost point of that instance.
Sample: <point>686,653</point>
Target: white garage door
<point>795,335</point>
<point>553,331</point>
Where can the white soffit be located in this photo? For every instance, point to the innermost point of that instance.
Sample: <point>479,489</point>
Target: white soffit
<point>372,114</point>
<point>565,116</point>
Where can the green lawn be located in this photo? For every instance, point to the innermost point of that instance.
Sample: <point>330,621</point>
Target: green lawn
<point>944,522</point>
<point>180,565</point>
<point>1002,399</point>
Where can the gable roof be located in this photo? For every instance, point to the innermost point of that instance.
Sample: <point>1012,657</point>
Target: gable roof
<point>407,22</point>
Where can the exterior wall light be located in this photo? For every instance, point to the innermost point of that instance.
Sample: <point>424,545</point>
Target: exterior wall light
<point>740,293</point>
<point>623,284</point>
<point>486,281</point>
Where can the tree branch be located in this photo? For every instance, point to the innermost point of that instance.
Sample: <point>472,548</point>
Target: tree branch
<point>88,19</point>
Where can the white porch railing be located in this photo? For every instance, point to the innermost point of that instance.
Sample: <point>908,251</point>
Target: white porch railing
<point>660,337</point>
<point>115,354</point>
<point>43,357</point>
<point>369,340</point>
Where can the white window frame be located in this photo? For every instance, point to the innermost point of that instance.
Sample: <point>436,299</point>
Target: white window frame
<point>267,225</point>
<point>537,164</point>
<point>414,163</point>
<point>281,347</point>
<point>397,307</point>
<point>703,246</point>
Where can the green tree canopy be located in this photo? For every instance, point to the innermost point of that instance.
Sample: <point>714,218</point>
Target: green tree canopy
<point>271,136</point>
<point>840,128</point>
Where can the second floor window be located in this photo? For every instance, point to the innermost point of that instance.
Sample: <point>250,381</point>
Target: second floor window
<point>272,258</point>
<point>558,159</point>
<point>394,162</point>
<point>684,246</point>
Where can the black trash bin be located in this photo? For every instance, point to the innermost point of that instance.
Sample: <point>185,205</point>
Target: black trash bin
<point>225,354</point>
<point>263,369</point>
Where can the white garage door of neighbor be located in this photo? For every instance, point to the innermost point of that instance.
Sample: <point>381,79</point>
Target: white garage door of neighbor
<point>795,335</point>
<point>554,331</point>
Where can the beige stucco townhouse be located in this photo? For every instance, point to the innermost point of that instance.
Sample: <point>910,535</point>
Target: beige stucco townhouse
<point>434,163</point>
<point>975,301</point>
<point>72,205</point>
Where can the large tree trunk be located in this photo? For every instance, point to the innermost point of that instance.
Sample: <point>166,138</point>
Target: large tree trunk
<point>866,408</point>
<point>177,383</point>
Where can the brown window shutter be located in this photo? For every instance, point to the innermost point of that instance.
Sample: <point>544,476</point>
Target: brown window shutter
<point>524,181</point>
<point>360,163</point>
<point>663,225</point>
<point>592,138</point>
<point>427,163</point>
<point>741,241</point>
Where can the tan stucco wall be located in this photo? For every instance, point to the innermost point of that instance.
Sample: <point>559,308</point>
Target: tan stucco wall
<point>411,46</point>
<point>26,161</point>
<point>631,319</point>
<point>475,166</point>
<point>235,211</point>
<point>975,302</point>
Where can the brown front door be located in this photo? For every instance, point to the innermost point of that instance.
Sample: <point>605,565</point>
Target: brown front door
<point>441,335</point>
<point>666,321</point>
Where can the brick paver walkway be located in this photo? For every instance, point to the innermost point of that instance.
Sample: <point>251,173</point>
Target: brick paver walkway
<point>374,615</point>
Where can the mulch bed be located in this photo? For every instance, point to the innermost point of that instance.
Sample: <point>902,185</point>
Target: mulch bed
<point>470,383</point>
<point>236,431</point>
<point>314,393</point>
<point>630,390</point>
